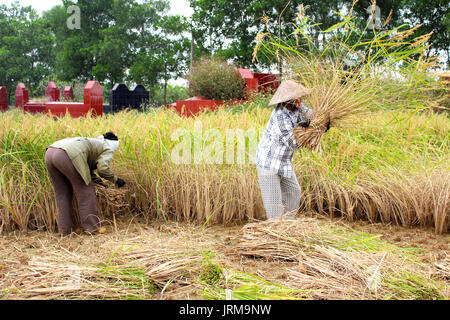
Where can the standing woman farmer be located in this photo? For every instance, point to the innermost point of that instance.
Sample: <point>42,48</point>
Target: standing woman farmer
<point>279,186</point>
<point>71,163</point>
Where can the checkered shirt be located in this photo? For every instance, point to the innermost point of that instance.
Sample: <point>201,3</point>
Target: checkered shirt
<point>277,145</point>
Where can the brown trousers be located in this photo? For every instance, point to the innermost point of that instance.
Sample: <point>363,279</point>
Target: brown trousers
<point>66,180</point>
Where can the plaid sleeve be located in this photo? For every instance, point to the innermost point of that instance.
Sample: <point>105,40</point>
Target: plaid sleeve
<point>285,127</point>
<point>305,113</point>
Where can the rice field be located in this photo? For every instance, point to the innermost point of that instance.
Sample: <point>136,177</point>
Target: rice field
<point>373,222</point>
<point>189,229</point>
<point>391,166</point>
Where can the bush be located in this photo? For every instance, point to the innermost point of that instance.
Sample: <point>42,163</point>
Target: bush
<point>215,79</point>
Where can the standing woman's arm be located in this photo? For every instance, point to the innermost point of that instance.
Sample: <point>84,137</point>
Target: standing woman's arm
<point>306,113</point>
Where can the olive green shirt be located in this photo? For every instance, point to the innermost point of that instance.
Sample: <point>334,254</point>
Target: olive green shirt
<point>88,155</point>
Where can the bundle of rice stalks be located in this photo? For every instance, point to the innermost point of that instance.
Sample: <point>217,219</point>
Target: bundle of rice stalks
<point>49,278</point>
<point>165,266</point>
<point>277,240</point>
<point>286,240</point>
<point>129,271</point>
<point>332,101</point>
<point>113,200</point>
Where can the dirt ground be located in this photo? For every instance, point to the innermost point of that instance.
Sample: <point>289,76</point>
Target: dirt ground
<point>20,251</point>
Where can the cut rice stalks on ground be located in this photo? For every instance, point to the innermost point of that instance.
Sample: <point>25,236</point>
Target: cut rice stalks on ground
<point>308,258</point>
<point>337,263</point>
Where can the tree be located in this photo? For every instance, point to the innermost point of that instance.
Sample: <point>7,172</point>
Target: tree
<point>119,41</point>
<point>229,27</point>
<point>26,47</point>
<point>162,51</point>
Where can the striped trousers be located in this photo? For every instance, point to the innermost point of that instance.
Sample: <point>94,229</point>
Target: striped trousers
<point>280,195</point>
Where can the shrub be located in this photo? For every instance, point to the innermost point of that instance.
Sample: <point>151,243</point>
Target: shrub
<point>214,78</point>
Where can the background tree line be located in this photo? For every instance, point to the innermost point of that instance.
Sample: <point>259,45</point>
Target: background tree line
<point>124,41</point>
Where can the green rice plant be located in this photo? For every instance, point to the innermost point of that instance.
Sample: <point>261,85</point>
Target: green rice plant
<point>246,286</point>
<point>130,279</point>
<point>211,273</point>
<point>410,286</point>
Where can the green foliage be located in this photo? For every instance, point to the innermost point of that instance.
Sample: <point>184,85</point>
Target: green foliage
<point>139,42</point>
<point>435,17</point>
<point>214,78</point>
<point>210,273</point>
<point>173,93</point>
<point>236,38</point>
<point>26,47</point>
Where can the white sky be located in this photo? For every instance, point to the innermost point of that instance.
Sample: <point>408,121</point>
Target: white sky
<point>178,7</point>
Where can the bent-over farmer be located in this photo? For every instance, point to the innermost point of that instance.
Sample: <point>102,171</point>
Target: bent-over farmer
<point>280,190</point>
<point>71,163</point>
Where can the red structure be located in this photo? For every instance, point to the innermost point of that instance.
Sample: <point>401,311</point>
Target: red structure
<point>68,93</point>
<point>93,100</point>
<point>195,105</point>
<point>21,96</point>
<point>51,92</point>
<point>251,83</point>
<point>23,101</point>
<point>254,83</point>
<point>3,99</point>
<point>267,82</point>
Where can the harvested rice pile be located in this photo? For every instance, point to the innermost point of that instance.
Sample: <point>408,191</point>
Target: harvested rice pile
<point>131,264</point>
<point>50,278</point>
<point>335,263</point>
<point>115,200</point>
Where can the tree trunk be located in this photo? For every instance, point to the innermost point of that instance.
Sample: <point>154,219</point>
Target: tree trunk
<point>192,51</point>
<point>165,84</point>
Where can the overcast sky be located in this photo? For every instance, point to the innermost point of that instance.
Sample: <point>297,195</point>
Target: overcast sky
<point>180,7</point>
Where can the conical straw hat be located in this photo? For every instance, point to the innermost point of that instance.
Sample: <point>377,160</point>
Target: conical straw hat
<point>288,90</point>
